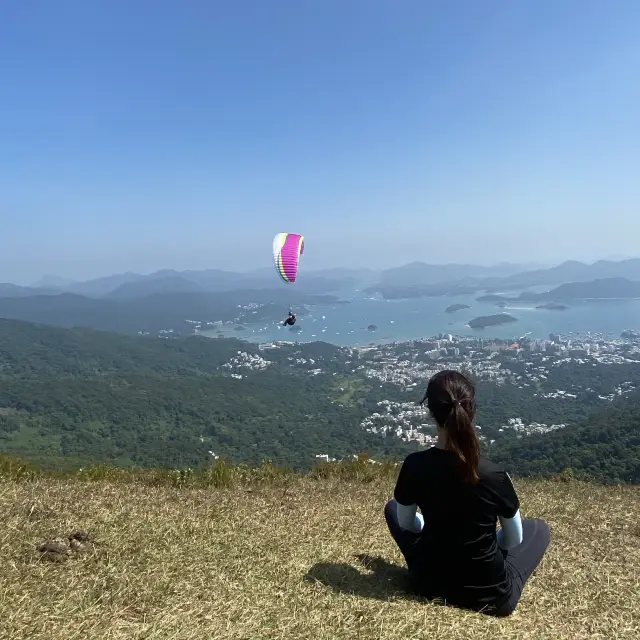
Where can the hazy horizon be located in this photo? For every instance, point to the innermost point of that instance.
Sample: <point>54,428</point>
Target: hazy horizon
<point>268,268</point>
<point>187,136</point>
<point>265,269</point>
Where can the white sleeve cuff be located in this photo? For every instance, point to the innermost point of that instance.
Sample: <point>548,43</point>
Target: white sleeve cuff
<point>409,518</point>
<point>510,535</point>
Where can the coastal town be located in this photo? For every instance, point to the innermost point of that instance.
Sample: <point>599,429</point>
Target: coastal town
<point>554,375</point>
<point>405,363</point>
<point>528,365</point>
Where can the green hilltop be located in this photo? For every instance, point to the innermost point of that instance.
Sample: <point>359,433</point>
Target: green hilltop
<point>263,553</point>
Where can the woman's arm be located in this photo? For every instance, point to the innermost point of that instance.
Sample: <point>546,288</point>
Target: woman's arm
<point>510,535</point>
<point>405,498</point>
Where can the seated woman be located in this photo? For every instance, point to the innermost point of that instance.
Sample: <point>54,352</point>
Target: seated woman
<point>452,550</point>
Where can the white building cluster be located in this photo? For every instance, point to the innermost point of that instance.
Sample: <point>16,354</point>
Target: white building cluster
<point>518,425</point>
<point>620,390</point>
<point>557,394</point>
<point>403,420</point>
<point>244,360</point>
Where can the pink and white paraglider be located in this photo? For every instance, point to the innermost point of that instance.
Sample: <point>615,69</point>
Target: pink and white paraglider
<point>287,249</point>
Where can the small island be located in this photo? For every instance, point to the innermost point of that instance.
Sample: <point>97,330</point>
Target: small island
<point>491,321</point>
<point>239,328</point>
<point>456,307</point>
<point>372,327</point>
<point>553,306</point>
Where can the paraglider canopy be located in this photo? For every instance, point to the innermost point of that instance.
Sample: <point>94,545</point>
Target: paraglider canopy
<point>287,249</point>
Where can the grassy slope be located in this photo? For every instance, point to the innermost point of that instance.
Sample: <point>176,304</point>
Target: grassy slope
<point>282,561</point>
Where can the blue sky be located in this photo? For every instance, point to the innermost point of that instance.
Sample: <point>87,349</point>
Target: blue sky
<point>186,133</point>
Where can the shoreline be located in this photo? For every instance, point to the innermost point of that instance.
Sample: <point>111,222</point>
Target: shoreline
<point>479,335</point>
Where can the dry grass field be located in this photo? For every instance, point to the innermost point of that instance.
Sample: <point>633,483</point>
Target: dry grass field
<point>300,557</point>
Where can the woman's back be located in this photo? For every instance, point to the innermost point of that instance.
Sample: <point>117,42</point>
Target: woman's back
<point>457,555</point>
<point>454,552</point>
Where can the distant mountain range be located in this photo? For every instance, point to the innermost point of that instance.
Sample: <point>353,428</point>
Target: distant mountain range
<point>52,282</point>
<point>8,290</point>
<point>419,280</point>
<point>416,279</point>
<point>420,273</point>
<point>132,285</point>
<point>572,271</point>
<point>604,289</point>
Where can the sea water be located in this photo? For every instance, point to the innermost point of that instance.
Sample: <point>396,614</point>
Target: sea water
<point>398,320</point>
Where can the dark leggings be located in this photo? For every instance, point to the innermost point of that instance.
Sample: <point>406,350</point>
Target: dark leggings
<point>522,559</point>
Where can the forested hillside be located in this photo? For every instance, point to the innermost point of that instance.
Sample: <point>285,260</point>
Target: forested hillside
<point>605,446</point>
<point>71,397</point>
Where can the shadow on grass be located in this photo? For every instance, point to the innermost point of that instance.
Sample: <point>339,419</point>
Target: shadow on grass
<point>380,580</point>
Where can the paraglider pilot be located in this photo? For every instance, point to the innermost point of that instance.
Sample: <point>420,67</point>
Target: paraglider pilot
<point>290,321</point>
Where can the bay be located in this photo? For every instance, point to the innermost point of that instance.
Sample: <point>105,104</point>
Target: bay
<point>400,320</point>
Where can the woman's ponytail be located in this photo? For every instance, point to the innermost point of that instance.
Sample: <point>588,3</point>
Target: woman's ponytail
<point>450,397</point>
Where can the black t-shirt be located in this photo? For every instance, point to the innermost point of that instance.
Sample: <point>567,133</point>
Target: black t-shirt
<point>457,556</point>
